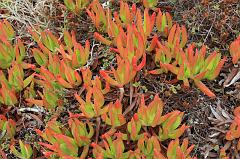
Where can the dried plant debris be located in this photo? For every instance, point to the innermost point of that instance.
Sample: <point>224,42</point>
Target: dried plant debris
<point>28,13</point>
<point>215,23</point>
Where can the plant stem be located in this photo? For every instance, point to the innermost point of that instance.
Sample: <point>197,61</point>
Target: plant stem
<point>121,94</point>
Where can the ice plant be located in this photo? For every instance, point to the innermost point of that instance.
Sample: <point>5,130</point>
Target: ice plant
<point>40,57</point>
<point>7,92</point>
<point>193,65</point>
<point>7,126</point>
<point>93,108</point>
<point>169,52</point>
<point>163,22</point>
<point>13,83</point>
<point>110,148</point>
<point>87,77</point>
<point>169,126</point>
<point>20,53</point>
<point>25,150</point>
<point>146,25</point>
<point>68,39</point>
<point>125,71</point>
<point>74,53</point>
<point>163,55</point>
<point>80,55</point>
<point>67,77</point>
<point>64,147</point>
<point>121,20</point>
<point>235,50</point>
<point>153,43</point>
<point>61,72</point>
<point>102,127</point>
<point>46,38</point>
<point>53,127</point>
<point>126,15</point>
<point>114,116</point>
<point>130,44</point>
<point>59,143</point>
<point>177,37</point>
<point>223,154</point>
<point>99,15</point>
<point>16,77</point>
<point>55,65</point>
<point>76,6</point>
<point>103,21</point>
<point>104,40</point>
<point>134,128</point>
<point>113,31</point>
<point>7,95</point>
<point>9,52</point>
<point>147,146</point>
<point>6,30</point>
<point>150,3</point>
<point>135,154</point>
<point>46,78</point>
<point>233,132</point>
<point>82,132</point>
<point>96,82</point>
<point>115,27</point>
<point>150,115</point>
<point>175,150</point>
<point>50,96</point>
<point>49,99</point>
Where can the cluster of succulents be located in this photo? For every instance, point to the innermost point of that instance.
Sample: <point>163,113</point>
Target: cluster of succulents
<point>59,64</point>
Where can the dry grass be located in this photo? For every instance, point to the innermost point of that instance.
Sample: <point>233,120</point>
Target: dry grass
<point>28,13</point>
